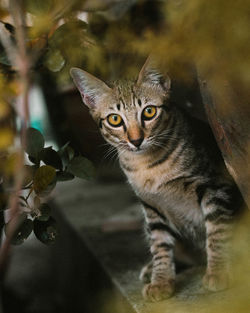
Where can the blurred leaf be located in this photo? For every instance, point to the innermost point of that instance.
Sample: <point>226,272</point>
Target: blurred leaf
<point>81,167</point>
<point>33,160</point>
<point>49,189</point>
<point>67,31</point>
<point>42,24</point>
<point>6,138</point>
<point>71,39</point>
<point>35,142</point>
<point>71,153</point>
<point>64,176</point>
<point>4,107</point>
<point>46,231</point>
<point>66,152</point>
<point>45,211</point>
<point>54,60</point>
<point>51,157</point>
<point>38,7</point>
<point>22,233</point>
<point>62,150</point>
<point>44,177</point>
<point>29,171</point>
<point>11,164</point>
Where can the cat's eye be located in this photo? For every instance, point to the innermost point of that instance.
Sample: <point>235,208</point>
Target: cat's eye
<point>149,112</point>
<point>115,120</point>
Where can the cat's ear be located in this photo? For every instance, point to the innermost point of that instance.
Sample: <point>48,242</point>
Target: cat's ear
<point>91,88</point>
<point>150,74</point>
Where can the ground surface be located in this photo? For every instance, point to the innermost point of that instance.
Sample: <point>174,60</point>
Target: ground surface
<point>110,222</point>
<point>102,247</point>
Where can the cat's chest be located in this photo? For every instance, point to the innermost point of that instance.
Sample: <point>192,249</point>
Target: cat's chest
<point>181,208</point>
<point>145,181</point>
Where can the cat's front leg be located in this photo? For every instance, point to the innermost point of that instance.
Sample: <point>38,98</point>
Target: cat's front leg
<point>162,282</point>
<point>219,213</point>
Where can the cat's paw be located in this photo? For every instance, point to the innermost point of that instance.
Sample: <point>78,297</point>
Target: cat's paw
<point>146,272</point>
<point>216,281</point>
<point>158,291</point>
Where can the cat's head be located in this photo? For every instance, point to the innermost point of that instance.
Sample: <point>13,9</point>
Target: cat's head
<point>131,114</point>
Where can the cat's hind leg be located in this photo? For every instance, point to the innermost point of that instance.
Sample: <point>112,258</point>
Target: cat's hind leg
<point>219,206</point>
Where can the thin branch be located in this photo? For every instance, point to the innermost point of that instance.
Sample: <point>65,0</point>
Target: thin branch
<point>8,45</point>
<point>23,65</point>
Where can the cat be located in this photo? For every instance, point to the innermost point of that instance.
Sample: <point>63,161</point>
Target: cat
<point>175,168</point>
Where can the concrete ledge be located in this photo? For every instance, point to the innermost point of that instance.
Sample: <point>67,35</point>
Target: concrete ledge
<point>108,219</point>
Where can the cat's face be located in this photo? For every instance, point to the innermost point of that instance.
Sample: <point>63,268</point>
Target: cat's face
<point>131,115</point>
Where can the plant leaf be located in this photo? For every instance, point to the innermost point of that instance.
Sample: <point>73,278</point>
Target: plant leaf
<point>44,177</point>
<point>46,231</point>
<point>54,60</point>
<point>50,157</point>
<point>45,211</point>
<point>35,142</point>
<point>81,167</point>
<point>66,152</point>
<point>22,233</point>
<point>64,176</point>
<point>62,150</point>
<point>38,7</point>
<point>29,172</point>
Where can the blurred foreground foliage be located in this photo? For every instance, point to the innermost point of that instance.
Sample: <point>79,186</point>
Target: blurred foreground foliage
<point>39,178</point>
<point>111,39</point>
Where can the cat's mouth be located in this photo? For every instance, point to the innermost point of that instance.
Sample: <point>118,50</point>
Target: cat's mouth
<point>136,150</point>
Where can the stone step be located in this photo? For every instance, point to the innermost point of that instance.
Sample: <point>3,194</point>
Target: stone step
<point>109,221</point>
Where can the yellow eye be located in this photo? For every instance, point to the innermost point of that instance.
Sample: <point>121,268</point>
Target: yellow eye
<point>115,120</point>
<point>149,112</point>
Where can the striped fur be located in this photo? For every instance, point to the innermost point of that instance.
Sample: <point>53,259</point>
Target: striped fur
<point>176,170</point>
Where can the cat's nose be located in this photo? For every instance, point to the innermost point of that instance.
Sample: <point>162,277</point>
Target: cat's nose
<point>137,142</point>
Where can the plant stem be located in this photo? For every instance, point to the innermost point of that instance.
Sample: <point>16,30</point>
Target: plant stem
<point>22,64</point>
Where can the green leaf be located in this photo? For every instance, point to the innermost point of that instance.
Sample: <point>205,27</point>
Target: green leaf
<point>81,167</point>
<point>33,160</point>
<point>46,231</point>
<point>54,60</point>
<point>66,153</point>
<point>35,142</point>
<point>68,33</point>
<point>22,233</point>
<point>71,40</point>
<point>43,179</point>
<point>63,150</point>
<point>29,172</point>
<point>64,176</point>
<point>51,157</point>
<point>38,6</point>
<point>71,153</point>
<point>45,211</point>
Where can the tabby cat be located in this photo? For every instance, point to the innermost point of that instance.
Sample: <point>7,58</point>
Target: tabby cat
<point>174,167</point>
